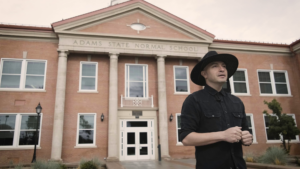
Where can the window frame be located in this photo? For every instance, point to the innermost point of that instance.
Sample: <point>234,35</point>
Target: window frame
<point>252,128</point>
<point>23,74</point>
<point>188,79</point>
<point>279,141</point>
<point>177,136</point>
<point>146,93</point>
<point>271,72</point>
<point>96,76</point>
<point>93,145</point>
<point>246,81</point>
<point>17,131</point>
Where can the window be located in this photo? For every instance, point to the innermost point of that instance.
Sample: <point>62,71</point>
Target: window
<point>23,74</point>
<point>88,76</point>
<point>273,82</point>
<point>251,126</point>
<point>239,81</point>
<point>136,80</point>
<point>181,79</point>
<point>86,129</point>
<point>276,138</point>
<point>18,130</point>
<point>178,127</point>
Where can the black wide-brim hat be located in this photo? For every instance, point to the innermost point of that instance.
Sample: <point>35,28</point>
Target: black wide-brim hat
<point>230,61</point>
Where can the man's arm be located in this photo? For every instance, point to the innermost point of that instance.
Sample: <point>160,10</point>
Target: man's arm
<point>231,135</point>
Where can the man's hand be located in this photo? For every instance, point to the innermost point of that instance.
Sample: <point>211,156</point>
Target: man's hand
<point>247,138</point>
<point>233,134</point>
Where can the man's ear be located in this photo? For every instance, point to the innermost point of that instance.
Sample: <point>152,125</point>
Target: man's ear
<point>203,73</point>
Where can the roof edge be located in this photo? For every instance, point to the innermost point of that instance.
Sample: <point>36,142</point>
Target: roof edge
<point>32,28</point>
<point>251,43</point>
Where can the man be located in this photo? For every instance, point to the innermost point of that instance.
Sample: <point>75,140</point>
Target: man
<point>213,120</point>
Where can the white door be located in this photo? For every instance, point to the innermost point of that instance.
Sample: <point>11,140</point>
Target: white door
<point>137,140</point>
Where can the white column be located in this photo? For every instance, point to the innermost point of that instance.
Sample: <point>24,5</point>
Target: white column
<point>113,146</point>
<point>162,107</point>
<point>59,111</point>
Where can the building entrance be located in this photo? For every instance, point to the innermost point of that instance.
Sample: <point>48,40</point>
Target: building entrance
<point>137,140</point>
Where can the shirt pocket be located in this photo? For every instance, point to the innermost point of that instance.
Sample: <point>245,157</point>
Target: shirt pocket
<point>212,121</point>
<point>237,114</point>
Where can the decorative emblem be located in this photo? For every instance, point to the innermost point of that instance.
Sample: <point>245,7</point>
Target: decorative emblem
<point>138,26</point>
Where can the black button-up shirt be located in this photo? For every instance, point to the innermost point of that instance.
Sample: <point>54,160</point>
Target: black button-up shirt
<point>208,111</point>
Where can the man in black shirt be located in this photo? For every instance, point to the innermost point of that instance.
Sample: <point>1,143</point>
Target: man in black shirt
<point>213,120</point>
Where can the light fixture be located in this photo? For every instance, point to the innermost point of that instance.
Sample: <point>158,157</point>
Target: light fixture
<point>102,117</point>
<point>171,117</point>
<point>38,109</point>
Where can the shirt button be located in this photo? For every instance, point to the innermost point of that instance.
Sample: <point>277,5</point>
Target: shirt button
<point>228,125</point>
<point>225,111</point>
<point>213,115</point>
<point>239,115</point>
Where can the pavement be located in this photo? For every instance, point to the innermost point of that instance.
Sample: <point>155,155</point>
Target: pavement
<point>164,164</point>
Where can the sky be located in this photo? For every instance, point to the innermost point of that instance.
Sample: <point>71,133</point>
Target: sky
<point>269,21</point>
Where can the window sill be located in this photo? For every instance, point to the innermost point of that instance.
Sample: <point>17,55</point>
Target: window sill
<point>18,148</point>
<point>20,90</point>
<point>239,94</point>
<point>275,95</point>
<point>179,144</point>
<point>89,146</point>
<point>178,93</point>
<point>134,98</point>
<point>87,92</point>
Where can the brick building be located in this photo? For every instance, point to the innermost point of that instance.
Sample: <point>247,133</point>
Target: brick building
<point>110,80</point>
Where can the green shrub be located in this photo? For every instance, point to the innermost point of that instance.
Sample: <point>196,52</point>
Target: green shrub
<point>45,165</point>
<point>91,164</point>
<point>250,157</point>
<point>62,166</point>
<point>297,160</point>
<point>274,155</point>
<point>19,166</point>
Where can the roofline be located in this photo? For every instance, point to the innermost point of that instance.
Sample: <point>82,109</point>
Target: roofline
<point>128,3</point>
<point>31,28</point>
<point>294,43</point>
<point>251,43</point>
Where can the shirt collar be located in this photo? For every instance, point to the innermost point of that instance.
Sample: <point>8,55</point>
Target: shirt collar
<point>212,91</point>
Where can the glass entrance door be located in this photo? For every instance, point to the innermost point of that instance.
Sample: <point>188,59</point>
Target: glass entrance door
<point>137,140</point>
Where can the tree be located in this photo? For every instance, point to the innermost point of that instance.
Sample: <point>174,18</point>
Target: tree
<point>281,124</point>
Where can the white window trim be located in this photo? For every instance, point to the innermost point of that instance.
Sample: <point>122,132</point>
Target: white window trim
<point>247,84</point>
<point>23,76</point>
<point>93,145</point>
<point>280,141</point>
<point>253,127</point>
<point>96,78</point>
<point>273,82</point>
<point>188,79</point>
<point>146,93</point>
<point>177,143</point>
<point>17,130</point>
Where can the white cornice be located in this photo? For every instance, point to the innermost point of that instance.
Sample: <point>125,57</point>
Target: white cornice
<point>124,37</point>
<point>296,48</point>
<point>249,48</point>
<point>28,35</point>
<point>136,6</point>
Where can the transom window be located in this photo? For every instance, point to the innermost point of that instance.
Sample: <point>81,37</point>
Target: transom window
<point>181,79</point>
<point>18,74</point>
<point>136,80</point>
<point>276,138</point>
<point>86,129</point>
<point>18,130</point>
<point>88,76</point>
<point>273,82</point>
<point>239,81</point>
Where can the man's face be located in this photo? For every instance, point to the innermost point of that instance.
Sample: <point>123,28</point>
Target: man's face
<point>215,73</point>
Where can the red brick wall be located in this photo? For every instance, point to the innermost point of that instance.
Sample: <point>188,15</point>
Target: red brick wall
<point>85,103</point>
<point>36,50</point>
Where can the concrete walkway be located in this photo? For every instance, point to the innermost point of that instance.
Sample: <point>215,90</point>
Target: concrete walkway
<point>174,164</point>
